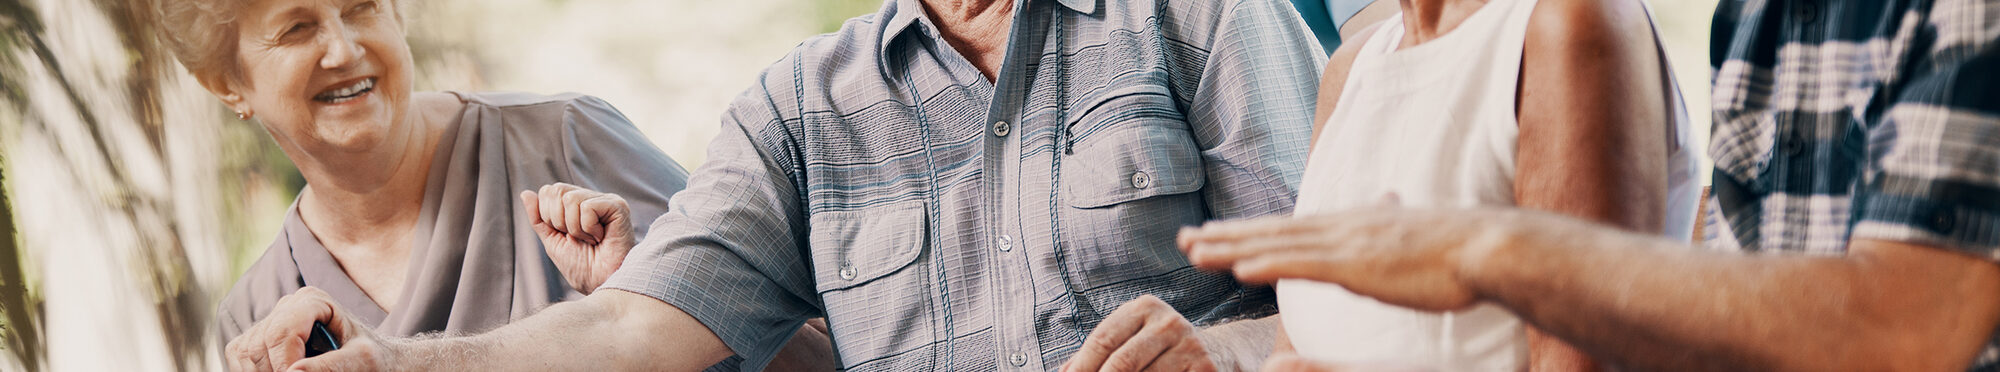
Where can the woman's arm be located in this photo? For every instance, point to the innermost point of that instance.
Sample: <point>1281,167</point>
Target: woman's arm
<point>1335,77</point>
<point>1592,112</point>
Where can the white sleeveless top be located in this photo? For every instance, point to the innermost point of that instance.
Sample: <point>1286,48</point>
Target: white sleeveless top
<point>1435,125</point>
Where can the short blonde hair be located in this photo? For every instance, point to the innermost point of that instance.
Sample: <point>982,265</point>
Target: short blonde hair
<point>202,34</point>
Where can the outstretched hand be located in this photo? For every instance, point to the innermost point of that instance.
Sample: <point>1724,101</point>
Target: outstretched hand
<point>1406,257</point>
<point>585,232</point>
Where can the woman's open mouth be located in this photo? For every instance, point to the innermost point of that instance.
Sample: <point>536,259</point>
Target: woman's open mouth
<point>347,93</point>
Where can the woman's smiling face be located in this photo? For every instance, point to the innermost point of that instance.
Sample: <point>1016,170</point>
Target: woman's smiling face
<point>325,75</point>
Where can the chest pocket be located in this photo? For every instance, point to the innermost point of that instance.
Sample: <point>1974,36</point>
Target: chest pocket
<point>1131,145</point>
<point>866,265</point>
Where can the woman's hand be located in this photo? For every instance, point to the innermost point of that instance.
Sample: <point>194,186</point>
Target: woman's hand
<point>586,233</point>
<point>278,342</point>
<point>1412,258</point>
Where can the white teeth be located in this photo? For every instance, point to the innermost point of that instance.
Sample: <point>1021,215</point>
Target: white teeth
<point>343,94</point>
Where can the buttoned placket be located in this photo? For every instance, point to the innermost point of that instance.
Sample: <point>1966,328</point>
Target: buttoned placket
<point>1018,344</point>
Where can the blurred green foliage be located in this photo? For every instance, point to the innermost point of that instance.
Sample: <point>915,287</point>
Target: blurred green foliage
<point>831,13</point>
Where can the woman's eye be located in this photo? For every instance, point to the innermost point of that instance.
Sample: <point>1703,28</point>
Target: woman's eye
<point>295,30</point>
<point>364,7</point>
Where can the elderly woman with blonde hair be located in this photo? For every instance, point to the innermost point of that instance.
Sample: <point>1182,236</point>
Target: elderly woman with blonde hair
<point>416,217</point>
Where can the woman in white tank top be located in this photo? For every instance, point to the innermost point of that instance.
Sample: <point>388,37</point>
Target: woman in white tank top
<point>1557,105</point>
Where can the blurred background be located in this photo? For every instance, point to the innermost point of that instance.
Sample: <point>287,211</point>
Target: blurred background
<point>130,199</point>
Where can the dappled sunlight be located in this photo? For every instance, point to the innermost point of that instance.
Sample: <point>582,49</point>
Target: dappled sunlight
<point>138,198</point>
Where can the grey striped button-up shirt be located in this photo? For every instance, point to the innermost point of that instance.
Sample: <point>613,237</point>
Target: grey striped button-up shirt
<point>941,221</point>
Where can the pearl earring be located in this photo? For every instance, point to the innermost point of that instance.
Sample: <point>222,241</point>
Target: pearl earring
<point>242,115</point>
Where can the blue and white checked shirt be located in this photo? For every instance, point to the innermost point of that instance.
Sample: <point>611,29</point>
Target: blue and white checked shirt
<point>1857,119</point>
<point>943,222</point>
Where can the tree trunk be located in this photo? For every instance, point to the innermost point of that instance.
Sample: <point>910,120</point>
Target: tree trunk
<point>21,331</point>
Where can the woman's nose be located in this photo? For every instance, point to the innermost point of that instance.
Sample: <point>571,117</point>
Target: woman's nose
<point>341,49</point>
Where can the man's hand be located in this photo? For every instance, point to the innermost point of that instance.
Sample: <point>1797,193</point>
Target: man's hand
<point>586,233</point>
<point>1142,335</point>
<point>277,343</point>
<point>1400,256</point>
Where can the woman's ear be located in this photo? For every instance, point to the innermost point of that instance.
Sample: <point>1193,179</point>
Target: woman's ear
<point>225,89</point>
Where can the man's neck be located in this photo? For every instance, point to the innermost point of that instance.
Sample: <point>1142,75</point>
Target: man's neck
<point>977,29</point>
<point>962,11</point>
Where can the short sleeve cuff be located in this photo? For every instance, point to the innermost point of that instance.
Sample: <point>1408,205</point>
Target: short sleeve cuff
<point>1952,215</point>
<point>718,289</point>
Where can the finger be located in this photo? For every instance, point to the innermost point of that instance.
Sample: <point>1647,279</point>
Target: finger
<point>572,201</point>
<point>1148,345</point>
<point>1217,256</point>
<point>284,351</point>
<point>1225,231</point>
<point>1186,355</point>
<point>600,214</point>
<point>620,221</point>
<point>532,206</point>
<point>285,330</point>
<point>1412,287</point>
<point>550,199</point>
<point>245,353</point>
<point>550,237</point>
<point>1290,265</point>
<point>1109,335</point>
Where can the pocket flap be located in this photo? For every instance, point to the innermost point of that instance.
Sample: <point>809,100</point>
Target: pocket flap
<point>852,248</point>
<point>1131,163</point>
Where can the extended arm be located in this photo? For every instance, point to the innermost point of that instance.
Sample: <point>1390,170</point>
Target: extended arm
<point>1653,304</point>
<point>1638,301</point>
<point>607,331</point>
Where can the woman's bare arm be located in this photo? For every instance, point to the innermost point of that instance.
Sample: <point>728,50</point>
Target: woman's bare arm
<point>1592,110</point>
<point>1334,77</point>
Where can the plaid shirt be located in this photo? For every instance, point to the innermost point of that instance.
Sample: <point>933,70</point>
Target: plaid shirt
<point>1857,119</point>
<point>944,222</point>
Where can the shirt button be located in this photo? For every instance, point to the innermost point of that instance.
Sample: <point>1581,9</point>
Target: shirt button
<point>1142,180</point>
<point>1795,143</point>
<point>846,272</point>
<point>1001,128</point>
<point>1017,359</point>
<point>1943,222</point>
<point>1006,243</point>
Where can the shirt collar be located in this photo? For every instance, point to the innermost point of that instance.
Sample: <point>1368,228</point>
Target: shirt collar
<point>903,13</point>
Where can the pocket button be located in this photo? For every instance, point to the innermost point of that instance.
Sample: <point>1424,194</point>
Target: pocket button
<point>846,271</point>
<point>1142,180</point>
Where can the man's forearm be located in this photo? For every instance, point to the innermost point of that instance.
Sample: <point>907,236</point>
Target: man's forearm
<point>1647,303</point>
<point>1241,345</point>
<point>609,330</point>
